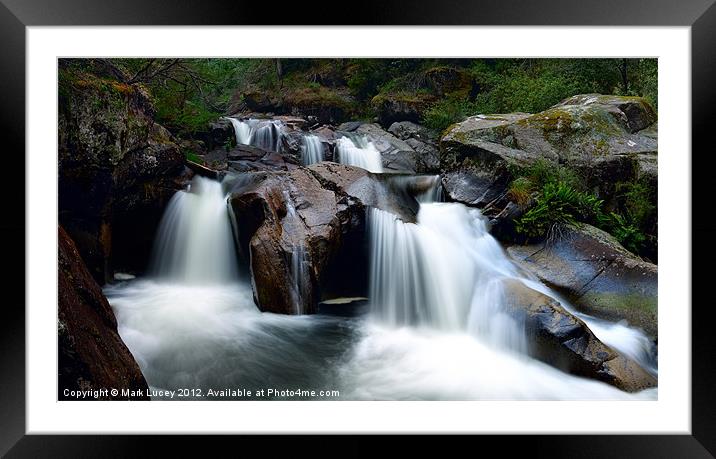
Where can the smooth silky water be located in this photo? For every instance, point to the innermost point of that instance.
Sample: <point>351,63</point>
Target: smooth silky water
<point>435,328</point>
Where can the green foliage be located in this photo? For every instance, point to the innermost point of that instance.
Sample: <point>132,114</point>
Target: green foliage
<point>520,191</point>
<point>627,232</point>
<point>193,157</point>
<point>559,205</point>
<point>440,115</point>
<point>543,171</point>
<point>230,143</point>
<point>637,202</point>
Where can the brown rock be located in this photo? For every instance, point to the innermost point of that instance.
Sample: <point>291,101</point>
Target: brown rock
<point>91,355</point>
<point>303,232</point>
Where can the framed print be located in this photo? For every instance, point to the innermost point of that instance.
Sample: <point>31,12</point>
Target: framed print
<point>387,226</point>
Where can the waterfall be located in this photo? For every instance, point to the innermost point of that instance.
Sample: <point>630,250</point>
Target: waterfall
<point>298,268</point>
<point>433,192</point>
<point>311,150</point>
<point>447,272</point>
<point>194,243</point>
<point>359,152</point>
<point>264,134</point>
<point>444,272</point>
<point>242,130</point>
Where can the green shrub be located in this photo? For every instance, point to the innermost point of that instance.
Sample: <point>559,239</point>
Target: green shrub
<point>559,205</point>
<point>445,112</point>
<point>636,201</point>
<point>544,171</point>
<point>626,231</point>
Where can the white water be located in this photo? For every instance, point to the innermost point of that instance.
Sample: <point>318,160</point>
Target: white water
<point>195,325</point>
<point>242,131</point>
<point>194,243</point>
<point>359,153</point>
<point>447,272</point>
<point>298,264</point>
<point>311,150</point>
<point>264,134</point>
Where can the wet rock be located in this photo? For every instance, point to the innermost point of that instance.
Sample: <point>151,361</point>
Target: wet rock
<point>597,275</point>
<point>562,340</point>
<point>245,158</point>
<point>91,354</point>
<point>303,230</point>
<point>396,154</point>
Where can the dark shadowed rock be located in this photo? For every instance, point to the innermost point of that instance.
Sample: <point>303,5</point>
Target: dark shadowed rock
<point>217,134</point>
<point>304,231</point>
<point>597,274</point>
<point>116,166</point>
<point>562,340</point>
<point>423,141</point>
<point>91,355</point>
<point>479,172</point>
<point>392,107</point>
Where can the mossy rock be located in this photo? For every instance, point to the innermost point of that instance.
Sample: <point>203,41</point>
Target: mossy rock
<point>597,136</point>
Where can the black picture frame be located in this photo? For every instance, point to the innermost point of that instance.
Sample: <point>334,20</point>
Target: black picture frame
<point>16,15</point>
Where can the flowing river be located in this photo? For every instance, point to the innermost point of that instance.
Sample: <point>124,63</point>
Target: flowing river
<point>434,327</point>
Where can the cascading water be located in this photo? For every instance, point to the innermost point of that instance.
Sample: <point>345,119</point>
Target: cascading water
<point>298,265</point>
<point>437,328</point>
<point>242,130</point>
<point>359,152</point>
<point>265,134</point>
<point>195,242</point>
<point>311,150</point>
<point>447,272</point>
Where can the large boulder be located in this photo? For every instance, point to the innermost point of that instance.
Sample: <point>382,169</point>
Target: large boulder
<point>302,232</point>
<point>564,341</point>
<point>217,134</point>
<point>598,136</point>
<point>423,141</point>
<point>597,274</point>
<point>91,354</point>
<point>477,171</point>
<point>117,167</point>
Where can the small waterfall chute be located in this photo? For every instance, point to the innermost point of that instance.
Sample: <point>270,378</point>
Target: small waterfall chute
<point>264,134</point>
<point>195,243</point>
<point>359,152</point>
<point>311,150</point>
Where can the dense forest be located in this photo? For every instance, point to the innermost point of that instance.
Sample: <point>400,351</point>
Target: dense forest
<point>188,93</point>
